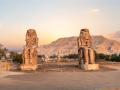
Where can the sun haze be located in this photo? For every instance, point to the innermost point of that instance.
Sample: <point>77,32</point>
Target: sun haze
<point>53,19</point>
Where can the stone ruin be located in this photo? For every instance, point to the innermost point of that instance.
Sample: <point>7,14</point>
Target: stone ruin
<point>85,51</point>
<point>30,51</point>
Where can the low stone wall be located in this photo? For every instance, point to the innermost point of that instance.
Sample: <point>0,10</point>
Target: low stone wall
<point>5,65</point>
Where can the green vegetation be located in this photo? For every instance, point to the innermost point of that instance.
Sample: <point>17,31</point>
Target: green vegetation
<point>102,56</point>
<point>54,56</point>
<point>41,56</point>
<point>113,57</point>
<point>17,58</point>
<point>3,51</point>
<point>71,56</point>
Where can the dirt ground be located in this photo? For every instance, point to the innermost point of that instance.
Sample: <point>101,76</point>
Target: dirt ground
<point>63,76</point>
<point>71,67</point>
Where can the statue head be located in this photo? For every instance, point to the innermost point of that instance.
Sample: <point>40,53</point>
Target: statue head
<point>85,37</point>
<point>31,37</point>
<point>84,33</point>
<point>31,32</point>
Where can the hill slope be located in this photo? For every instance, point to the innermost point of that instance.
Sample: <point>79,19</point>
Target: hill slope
<point>114,36</point>
<point>68,45</point>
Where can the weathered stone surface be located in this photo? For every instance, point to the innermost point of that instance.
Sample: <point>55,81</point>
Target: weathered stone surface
<point>85,50</point>
<point>30,51</point>
<point>29,67</point>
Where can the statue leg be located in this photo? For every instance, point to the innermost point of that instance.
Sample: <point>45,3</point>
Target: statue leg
<point>26,56</point>
<point>33,56</point>
<point>23,56</point>
<point>92,56</point>
<point>81,56</point>
<point>86,55</point>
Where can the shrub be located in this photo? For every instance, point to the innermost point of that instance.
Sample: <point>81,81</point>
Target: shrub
<point>71,56</point>
<point>115,57</point>
<point>17,58</point>
<point>53,56</point>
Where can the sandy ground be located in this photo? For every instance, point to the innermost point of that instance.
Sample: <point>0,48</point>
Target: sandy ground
<point>64,80</point>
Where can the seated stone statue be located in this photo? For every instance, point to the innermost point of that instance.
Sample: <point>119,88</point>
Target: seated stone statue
<point>30,51</point>
<point>85,50</point>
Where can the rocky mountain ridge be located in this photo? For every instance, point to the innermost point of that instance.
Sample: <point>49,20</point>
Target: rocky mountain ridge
<point>68,45</point>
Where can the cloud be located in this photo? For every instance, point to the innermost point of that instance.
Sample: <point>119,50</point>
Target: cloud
<point>95,10</point>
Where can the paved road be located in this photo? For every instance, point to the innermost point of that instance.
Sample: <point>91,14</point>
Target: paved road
<point>62,81</point>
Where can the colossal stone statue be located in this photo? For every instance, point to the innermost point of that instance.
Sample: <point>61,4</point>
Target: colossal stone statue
<point>86,52</point>
<point>30,51</point>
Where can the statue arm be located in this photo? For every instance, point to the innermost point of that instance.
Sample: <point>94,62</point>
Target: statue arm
<point>37,41</point>
<point>90,41</point>
<point>78,42</point>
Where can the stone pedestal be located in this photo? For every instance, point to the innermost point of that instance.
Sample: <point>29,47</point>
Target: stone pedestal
<point>90,66</point>
<point>29,67</point>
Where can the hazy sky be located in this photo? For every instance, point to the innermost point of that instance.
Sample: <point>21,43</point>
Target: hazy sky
<point>56,18</point>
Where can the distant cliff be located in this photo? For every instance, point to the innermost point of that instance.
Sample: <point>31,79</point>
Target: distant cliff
<point>114,36</point>
<point>68,45</point>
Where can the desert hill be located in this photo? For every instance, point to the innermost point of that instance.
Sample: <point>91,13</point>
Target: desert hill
<point>68,45</point>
